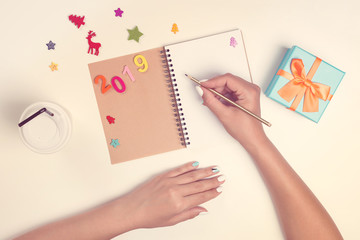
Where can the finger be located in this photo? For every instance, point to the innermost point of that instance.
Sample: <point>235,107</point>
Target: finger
<point>233,83</point>
<point>214,104</point>
<point>183,169</point>
<point>196,175</point>
<point>202,185</point>
<point>223,89</point>
<point>200,198</point>
<point>186,215</point>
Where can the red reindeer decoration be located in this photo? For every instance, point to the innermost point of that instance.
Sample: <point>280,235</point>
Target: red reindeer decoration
<point>93,45</point>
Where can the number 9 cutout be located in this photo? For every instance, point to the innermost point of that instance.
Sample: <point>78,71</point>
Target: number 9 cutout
<point>143,65</point>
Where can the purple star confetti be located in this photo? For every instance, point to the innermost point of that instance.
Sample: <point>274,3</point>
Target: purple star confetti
<point>118,12</point>
<point>51,45</point>
<point>233,42</point>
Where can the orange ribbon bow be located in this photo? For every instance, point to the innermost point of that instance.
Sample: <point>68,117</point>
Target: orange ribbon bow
<point>300,86</point>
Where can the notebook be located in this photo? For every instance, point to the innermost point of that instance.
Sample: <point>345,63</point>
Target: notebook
<point>147,105</point>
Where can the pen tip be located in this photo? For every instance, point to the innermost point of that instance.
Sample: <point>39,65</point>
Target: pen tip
<point>186,74</point>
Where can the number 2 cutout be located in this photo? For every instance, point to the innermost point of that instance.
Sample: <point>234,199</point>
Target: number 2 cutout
<point>143,63</point>
<point>104,87</point>
<point>123,87</point>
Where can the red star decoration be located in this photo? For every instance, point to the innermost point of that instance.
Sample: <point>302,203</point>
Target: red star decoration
<point>110,119</point>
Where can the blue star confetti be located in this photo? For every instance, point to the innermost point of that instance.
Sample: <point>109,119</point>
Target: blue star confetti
<point>114,142</point>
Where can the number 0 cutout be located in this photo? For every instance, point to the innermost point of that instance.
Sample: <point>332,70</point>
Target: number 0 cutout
<point>104,87</point>
<point>123,87</point>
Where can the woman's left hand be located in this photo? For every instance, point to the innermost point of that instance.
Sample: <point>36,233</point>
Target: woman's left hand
<point>172,197</point>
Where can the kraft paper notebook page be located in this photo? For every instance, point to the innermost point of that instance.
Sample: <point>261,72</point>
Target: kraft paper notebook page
<point>147,105</point>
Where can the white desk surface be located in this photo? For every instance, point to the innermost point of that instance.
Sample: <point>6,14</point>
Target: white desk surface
<point>36,189</point>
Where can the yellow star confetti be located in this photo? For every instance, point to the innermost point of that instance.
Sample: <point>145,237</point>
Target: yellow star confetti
<point>53,66</point>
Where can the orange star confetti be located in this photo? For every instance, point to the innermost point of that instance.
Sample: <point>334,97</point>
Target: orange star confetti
<point>53,66</point>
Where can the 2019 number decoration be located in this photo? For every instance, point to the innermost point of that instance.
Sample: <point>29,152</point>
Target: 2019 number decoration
<point>117,82</point>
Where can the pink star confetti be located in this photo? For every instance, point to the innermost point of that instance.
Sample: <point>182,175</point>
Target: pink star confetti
<point>118,12</point>
<point>110,119</point>
<point>233,42</point>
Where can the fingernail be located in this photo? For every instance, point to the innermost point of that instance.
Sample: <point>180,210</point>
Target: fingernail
<point>203,213</point>
<point>199,90</point>
<point>204,80</point>
<point>219,189</point>
<point>195,164</point>
<point>215,169</point>
<point>221,178</point>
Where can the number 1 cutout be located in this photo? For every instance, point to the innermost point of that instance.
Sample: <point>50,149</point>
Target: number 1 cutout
<point>128,72</point>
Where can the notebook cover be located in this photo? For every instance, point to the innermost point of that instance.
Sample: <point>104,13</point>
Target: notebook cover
<point>144,122</point>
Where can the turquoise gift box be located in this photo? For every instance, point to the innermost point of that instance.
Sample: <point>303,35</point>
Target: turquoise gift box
<point>304,83</point>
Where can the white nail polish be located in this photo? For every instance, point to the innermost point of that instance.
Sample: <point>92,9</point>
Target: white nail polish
<point>204,80</point>
<point>216,169</point>
<point>221,178</point>
<point>199,90</point>
<point>219,189</point>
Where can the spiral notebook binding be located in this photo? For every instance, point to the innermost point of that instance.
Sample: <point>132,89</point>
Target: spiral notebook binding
<point>175,97</point>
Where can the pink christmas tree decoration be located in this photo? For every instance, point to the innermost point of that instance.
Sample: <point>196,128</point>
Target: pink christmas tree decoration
<point>233,42</point>
<point>93,45</point>
<point>77,20</point>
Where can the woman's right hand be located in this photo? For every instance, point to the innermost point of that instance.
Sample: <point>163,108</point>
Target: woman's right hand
<point>244,128</point>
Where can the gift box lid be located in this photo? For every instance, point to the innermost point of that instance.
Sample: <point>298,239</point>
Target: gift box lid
<point>325,74</point>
